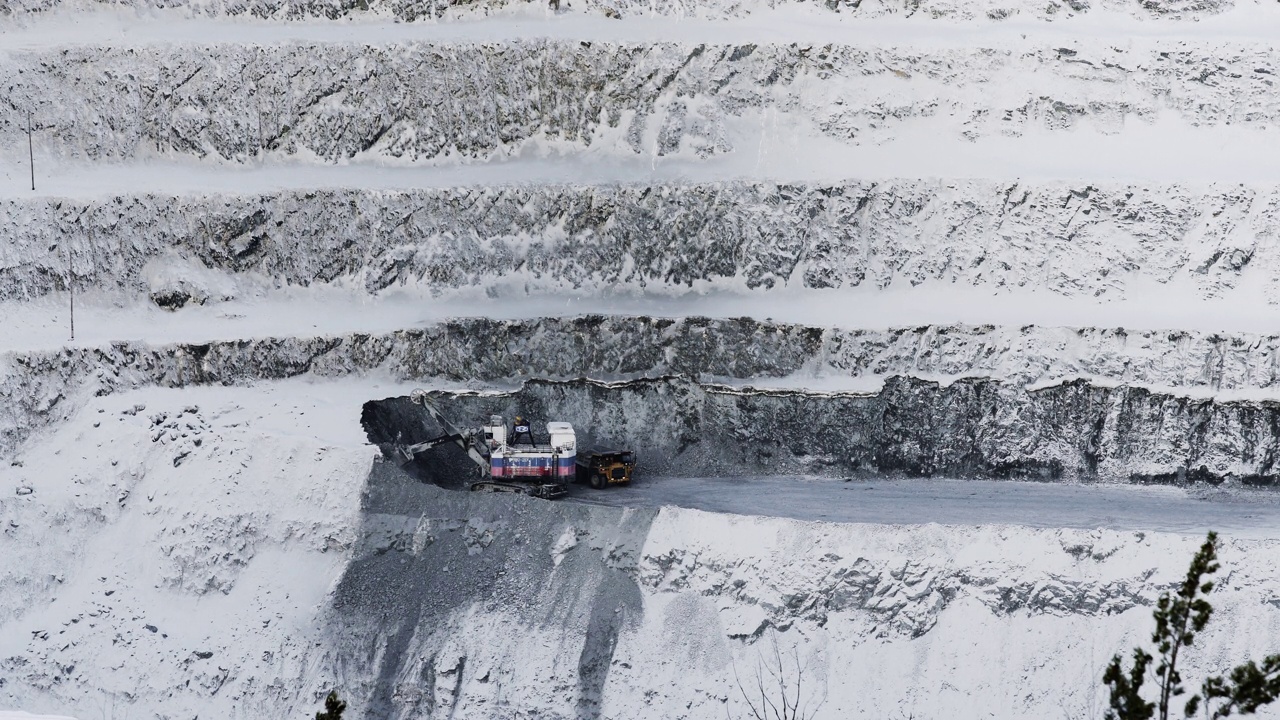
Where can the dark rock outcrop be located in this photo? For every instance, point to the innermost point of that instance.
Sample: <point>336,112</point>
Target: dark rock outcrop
<point>974,428</point>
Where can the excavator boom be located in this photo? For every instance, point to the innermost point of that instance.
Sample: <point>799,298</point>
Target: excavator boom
<point>508,469</point>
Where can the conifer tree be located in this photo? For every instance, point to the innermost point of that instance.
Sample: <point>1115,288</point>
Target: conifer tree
<point>1179,617</point>
<point>333,707</point>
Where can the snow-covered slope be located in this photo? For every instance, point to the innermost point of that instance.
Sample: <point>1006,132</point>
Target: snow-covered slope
<point>159,541</point>
<point>995,239</point>
<point>241,551</point>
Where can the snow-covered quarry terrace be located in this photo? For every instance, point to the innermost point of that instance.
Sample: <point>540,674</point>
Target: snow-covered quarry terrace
<point>943,331</point>
<point>241,551</point>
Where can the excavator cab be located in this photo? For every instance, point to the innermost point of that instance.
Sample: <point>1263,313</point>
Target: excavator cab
<point>504,465</point>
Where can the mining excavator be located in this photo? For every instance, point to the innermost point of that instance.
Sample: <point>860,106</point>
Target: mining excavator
<point>540,470</point>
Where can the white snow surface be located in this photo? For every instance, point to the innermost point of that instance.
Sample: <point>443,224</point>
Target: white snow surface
<point>1029,191</point>
<point>199,533</point>
<point>102,318</point>
<point>161,526</point>
<point>771,146</point>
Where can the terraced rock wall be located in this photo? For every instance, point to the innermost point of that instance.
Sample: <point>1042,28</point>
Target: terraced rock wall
<point>1082,240</point>
<point>1009,404</point>
<point>617,9</point>
<point>445,101</point>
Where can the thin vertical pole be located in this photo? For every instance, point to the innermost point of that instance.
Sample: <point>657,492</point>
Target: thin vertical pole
<point>31,155</point>
<point>71,285</point>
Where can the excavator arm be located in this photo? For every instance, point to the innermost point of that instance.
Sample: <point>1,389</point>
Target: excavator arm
<point>409,452</point>
<point>461,438</point>
<point>472,442</point>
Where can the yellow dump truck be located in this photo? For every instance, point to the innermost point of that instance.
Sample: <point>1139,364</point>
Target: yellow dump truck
<point>602,469</point>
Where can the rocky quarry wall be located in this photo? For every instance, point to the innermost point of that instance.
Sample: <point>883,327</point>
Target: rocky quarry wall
<point>197,529</point>
<point>618,9</point>
<point>1097,415</point>
<point>912,428</point>
<point>1074,240</point>
<point>451,100</point>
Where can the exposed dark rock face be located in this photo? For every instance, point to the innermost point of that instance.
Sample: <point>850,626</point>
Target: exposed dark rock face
<point>39,387</point>
<point>970,428</point>
<point>174,299</point>
<point>424,557</point>
<point>978,427</point>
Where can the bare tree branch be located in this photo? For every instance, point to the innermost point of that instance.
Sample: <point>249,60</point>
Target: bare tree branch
<point>780,697</point>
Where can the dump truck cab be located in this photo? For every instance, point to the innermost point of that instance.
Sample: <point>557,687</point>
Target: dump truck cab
<point>604,468</point>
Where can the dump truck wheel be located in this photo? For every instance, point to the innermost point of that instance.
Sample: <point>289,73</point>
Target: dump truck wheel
<point>597,482</point>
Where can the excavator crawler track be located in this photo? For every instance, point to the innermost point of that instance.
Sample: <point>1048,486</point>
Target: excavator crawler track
<point>546,491</point>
